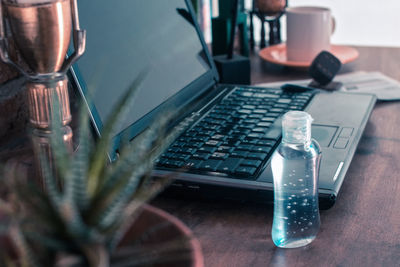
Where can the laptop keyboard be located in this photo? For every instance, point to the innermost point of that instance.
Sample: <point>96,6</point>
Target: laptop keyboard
<point>235,137</point>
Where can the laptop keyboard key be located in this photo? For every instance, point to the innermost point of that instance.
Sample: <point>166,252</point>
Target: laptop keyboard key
<point>256,135</point>
<point>251,163</point>
<point>192,164</point>
<point>243,131</point>
<point>210,127</point>
<point>265,142</point>
<point>168,155</point>
<point>178,144</point>
<point>264,124</point>
<point>199,139</point>
<point>195,144</point>
<point>244,147</point>
<point>161,161</point>
<point>239,154</point>
<point>210,165</point>
<point>218,155</point>
<point>248,107</point>
<point>174,149</point>
<point>207,149</point>
<point>262,149</point>
<point>173,163</point>
<point>248,124</point>
<point>260,111</point>
<point>231,142</point>
<point>241,134</point>
<point>277,110</point>
<point>265,95</point>
<point>284,100</point>
<point>251,121</point>
<point>205,133</point>
<point>225,149</point>
<point>190,133</point>
<point>256,155</point>
<point>249,141</point>
<point>201,156</point>
<point>212,143</point>
<point>274,115</point>
<point>245,171</point>
<point>181,157</point>
<point>267,107</point>
<point>188,150</point>
<point>260,130</point>
<point>256,116</point>
<point>226,131</point>
<point>219,137</point>
<point>282,106</point>
<point>268,119</point>
<point>229,165</point>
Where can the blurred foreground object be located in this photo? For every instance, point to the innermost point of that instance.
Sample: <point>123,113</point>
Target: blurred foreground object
<point>91,213</point>
<point>41,31</point>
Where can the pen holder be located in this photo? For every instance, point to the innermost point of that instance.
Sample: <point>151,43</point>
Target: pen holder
<point>233,71</point>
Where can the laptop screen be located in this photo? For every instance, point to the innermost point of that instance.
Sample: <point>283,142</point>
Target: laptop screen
<point>124,37</point>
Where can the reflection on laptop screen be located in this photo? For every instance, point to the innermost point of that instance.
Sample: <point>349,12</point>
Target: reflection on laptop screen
<point>125,37</point>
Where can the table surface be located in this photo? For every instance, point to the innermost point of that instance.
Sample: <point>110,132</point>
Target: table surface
<point>361,229</point>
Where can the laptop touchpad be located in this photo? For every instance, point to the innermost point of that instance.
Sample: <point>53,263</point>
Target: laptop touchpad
<point>324,134</point>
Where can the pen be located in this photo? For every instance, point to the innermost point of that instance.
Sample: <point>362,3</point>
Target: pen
<point>296,88</point>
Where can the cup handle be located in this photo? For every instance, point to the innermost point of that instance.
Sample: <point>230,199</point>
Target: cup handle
<point>333,25</point>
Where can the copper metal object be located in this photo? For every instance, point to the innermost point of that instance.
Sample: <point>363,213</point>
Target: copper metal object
<point>42,148</point>
<point>42,32</point>
<point>40,99</point>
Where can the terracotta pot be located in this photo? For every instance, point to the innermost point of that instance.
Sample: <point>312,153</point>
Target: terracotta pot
<point>145,242</point>
<point>155,229</point>
<point>148,235</point>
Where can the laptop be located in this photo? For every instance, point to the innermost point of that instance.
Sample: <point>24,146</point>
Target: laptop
<point>234,129</point>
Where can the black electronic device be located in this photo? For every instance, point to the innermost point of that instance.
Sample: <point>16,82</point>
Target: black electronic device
<point>231,130</point>
<point>235,70</point>
<point>324,68</point>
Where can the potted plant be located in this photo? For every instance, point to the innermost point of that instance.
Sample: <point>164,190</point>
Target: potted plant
<point>91,213</point>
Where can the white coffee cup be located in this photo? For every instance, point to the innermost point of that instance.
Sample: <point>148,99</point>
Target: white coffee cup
<point>308,32</point>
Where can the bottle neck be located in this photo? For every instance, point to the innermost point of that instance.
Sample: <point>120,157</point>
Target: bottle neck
<point>296,128</point>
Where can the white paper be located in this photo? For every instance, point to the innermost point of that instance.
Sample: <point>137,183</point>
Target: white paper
<point>384,87</point>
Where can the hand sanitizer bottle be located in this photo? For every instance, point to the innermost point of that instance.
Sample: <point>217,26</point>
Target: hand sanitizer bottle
<point>295,168</point>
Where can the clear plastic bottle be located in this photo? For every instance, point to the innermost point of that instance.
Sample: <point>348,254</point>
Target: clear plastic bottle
<point>295,168</point>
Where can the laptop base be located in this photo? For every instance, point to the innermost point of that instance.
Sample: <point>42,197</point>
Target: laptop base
<point>187,190</point>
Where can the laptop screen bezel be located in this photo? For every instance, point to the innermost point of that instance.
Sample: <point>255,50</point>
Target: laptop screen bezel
<point>183,97</point>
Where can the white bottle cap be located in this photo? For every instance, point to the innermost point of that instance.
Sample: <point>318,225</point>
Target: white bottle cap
<point>296,127</point>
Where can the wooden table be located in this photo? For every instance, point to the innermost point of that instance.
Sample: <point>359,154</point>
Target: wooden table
<point>362,229</point>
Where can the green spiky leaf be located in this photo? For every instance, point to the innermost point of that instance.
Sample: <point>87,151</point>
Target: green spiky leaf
<point>116,117</point>
<point>88,203</point>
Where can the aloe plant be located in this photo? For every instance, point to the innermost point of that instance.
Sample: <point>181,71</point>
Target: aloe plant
<point>88,215</point>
